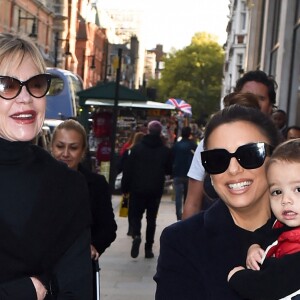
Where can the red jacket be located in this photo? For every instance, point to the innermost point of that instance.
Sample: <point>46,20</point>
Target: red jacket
<point>287,243</point>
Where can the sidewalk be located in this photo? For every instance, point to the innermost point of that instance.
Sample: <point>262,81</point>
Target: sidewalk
<point>126,278</point>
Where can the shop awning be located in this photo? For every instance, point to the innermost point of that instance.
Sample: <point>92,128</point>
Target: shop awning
<point>128,103</point>
<point>105,91</point>
<point>104,95</point>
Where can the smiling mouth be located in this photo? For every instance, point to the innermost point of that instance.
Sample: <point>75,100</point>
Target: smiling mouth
<point>24,116</point>
<point>239,185</point>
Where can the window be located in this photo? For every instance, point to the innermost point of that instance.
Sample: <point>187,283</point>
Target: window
<point>243,16</point>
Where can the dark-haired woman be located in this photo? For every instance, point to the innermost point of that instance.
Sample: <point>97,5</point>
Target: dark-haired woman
<point>197,254</point>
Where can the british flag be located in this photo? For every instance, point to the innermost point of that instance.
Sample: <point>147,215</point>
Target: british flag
<point>180,105</point>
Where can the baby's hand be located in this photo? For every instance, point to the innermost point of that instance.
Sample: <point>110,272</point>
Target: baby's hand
<point>254,257</point>
<point>234,270</point>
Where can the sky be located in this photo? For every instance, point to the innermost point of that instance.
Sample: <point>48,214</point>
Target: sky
<point>173,23</point>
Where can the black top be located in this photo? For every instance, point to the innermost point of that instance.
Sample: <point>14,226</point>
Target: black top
<point>197,254</point>
<point>182,155</point>
<point>44,223</point>
<point>277,278</point>
<point>104,226</point>
<point>146,166</point>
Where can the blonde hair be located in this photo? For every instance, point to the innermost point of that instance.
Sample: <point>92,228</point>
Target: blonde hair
<point>71,125</point>
<point>13,49</point>
<point>136,139</point>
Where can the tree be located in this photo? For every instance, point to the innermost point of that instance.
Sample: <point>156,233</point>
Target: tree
<point>195,75</point>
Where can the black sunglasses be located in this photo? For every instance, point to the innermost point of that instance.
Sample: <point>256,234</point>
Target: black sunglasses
<point>37,86</point>
<point>249,156</point>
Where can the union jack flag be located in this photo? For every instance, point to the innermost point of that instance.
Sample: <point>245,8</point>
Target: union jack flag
<point>180,105</point>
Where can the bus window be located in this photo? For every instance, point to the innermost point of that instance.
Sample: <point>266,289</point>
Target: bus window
<point>56,87</point>
<point>62,102</point>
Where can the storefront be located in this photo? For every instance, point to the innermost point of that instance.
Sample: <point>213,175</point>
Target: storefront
<point>98,115</point>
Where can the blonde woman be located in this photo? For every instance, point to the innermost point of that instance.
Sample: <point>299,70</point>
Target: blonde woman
<point>44,215</point>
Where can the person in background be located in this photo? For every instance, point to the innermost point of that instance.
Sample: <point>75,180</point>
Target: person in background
<point>182,155</point>
<point>69,145</point>
<point>293,132</point>
<point>45,216</point>
<point>143,178</point>
<point>142,128</point>
<point>256,82</point>
<point>280,119</point>
<point>197,254</point>
<point>263,277</point>
<point>127,144</point>
<point>136,139</point>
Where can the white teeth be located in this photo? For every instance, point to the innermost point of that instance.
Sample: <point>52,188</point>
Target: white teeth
<point>239,185</point>
<point>24,116</point>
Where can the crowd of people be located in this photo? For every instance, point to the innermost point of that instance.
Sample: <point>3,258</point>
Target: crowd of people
<point>236,196</point>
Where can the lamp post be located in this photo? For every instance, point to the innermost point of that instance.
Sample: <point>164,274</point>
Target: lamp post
<point>115,119</point>
<point>92,66</point>
<point>106,61</point>
<point>33,33</point>
<point>67,50</point>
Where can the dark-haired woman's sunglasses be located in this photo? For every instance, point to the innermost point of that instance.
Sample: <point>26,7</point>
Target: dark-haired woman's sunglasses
<point>37,86</point>
<point>249,156</point>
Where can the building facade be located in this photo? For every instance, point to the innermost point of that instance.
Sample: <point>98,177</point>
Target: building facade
<point>278,49</point>
<point>235,46</point>
<point>76,35</point>
<point>265,35</point>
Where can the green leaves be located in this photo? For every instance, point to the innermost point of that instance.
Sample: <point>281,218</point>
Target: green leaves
<point>195,75</point>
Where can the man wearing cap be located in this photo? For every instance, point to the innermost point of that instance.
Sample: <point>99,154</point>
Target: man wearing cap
<point>143,178</point>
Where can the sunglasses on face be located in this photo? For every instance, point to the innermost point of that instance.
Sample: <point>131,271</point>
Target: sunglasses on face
<point>249,156</point>
<point>37,86</point>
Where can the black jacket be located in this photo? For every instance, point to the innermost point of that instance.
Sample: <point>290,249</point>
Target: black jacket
<point>44,224</point>
<point>104,226</point>
<point>182,154</point>
<point>197,254</point>
<point>277,278</point>
<point>146,166</point>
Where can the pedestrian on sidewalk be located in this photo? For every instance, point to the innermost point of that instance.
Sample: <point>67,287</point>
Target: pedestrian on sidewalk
<point>136,139</point>
<point>143,178</point>
<point>69,145</point>
<point>182,156</point>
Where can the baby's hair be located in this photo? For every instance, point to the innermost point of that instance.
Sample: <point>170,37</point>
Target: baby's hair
<point>288,151</point>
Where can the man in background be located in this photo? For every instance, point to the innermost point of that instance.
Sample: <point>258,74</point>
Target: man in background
<point>293,132</point>
<point>143,178</point>
<point>182,155</point>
